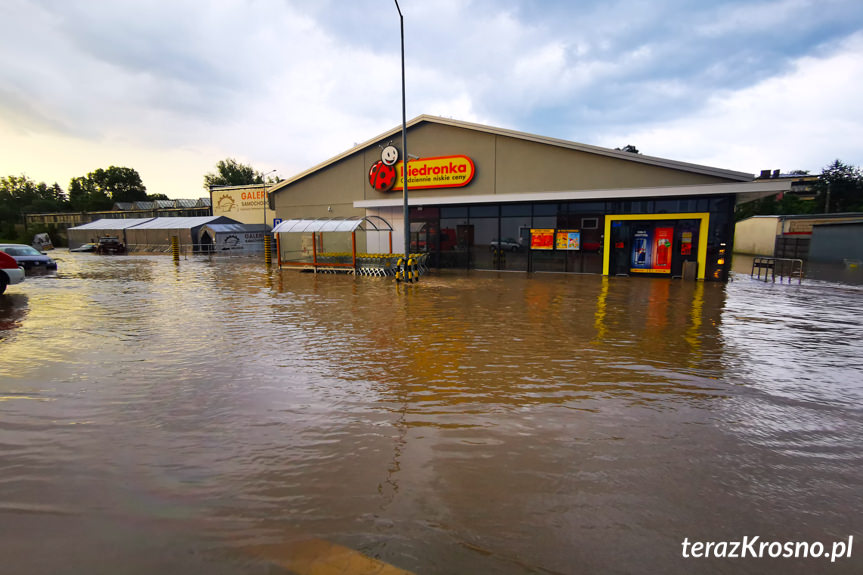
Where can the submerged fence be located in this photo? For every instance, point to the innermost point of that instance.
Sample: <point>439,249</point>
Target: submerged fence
<point>186,249</point>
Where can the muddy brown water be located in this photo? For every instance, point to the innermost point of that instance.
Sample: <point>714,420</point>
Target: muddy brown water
<point>162,418</point>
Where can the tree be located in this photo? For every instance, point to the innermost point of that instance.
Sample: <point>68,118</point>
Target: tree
<point>85,197</point>
<point>839,188</point>
<point>839,184</point>
<point>99,189</point>
<point>230,172</point>
<point>20,195</point>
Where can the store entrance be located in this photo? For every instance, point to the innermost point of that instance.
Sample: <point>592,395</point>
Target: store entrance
<point>653,247</point>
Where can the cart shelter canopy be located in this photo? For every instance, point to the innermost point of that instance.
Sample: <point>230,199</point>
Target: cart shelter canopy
<point>366,224</point>
<point>301,243</point>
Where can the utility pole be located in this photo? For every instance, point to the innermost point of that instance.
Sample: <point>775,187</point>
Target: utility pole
<point>827,199</point>
<point>405,156</point>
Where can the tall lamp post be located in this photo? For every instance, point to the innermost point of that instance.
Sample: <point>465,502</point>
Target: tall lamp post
<point>266,197</point>
<point>404,142</point>
<point>268,257</point>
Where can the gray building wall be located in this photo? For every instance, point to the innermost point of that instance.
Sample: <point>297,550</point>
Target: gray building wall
<point>503,165</point>
<point>834,243</point>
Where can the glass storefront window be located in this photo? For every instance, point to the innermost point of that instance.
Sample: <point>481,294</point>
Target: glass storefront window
<point>456,236</point>
<point>509,210</point>
<point>493,236</point>
<point>484,211</point>
<point>546,209</point>
<point>485,233</point>
<point>666,206</point>
<point>585,207</point>
<point>453,212</point>
<point>515,243</point>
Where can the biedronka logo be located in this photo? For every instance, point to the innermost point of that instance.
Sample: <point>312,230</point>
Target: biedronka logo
<point>226,203</point>
<point>382,175</point>
<point>424,173</point>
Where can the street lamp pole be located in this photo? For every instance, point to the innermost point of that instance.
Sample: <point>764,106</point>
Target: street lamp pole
<point>405,156</point>
<point>266,197</point>
<point>268,242</point>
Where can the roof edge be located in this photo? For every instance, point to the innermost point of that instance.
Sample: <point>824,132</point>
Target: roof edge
<point>629,156</point>
<point>576,195</point>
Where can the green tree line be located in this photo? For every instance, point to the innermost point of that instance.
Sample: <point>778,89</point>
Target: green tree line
<point>98,191</point>
<point>839,188</point>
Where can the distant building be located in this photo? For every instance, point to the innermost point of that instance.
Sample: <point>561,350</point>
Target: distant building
<point>801,184</point>
<point>782,236</point>
<point>62,221</point>
<point>195,234</point>
<point>247,204</point>
<point>838,242</point>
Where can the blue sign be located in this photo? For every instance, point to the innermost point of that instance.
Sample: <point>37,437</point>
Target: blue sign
<point>276,221</point>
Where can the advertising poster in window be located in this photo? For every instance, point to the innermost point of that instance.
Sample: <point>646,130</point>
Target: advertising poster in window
<point>662,239</point>
<point>651,250</point>
<point>541,239</point>
<point>642,244</point>
<point>568,240</point>
<point>686,243</point>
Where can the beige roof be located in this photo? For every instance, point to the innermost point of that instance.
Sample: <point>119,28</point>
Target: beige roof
<point>628,156</point>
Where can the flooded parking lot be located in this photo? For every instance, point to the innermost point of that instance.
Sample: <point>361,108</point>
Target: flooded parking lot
<point>215,416</point>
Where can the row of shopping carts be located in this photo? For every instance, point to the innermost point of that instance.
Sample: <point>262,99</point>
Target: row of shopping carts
<point>369,264</point>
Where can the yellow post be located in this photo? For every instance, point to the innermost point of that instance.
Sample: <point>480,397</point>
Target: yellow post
<point>175,248</point>
<point>268,250</point>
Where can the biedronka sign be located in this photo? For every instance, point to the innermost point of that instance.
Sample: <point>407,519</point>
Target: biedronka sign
<point>387,175</point>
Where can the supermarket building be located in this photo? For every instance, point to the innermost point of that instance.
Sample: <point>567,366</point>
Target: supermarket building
<point>494,199</point>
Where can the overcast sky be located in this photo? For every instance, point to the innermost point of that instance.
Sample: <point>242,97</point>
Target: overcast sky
<point>169,88</point>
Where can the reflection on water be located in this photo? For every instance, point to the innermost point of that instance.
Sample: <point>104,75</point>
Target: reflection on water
<point>13,308</point>
<point>214,415</point>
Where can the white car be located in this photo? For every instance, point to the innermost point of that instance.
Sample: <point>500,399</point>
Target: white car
<point>509,244</point>
<point>10,272</point>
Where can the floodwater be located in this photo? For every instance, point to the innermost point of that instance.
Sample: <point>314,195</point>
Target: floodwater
<point>218,417</point>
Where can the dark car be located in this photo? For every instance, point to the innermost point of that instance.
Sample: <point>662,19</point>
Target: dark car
<point>29,257</point>
<point>85,248</point>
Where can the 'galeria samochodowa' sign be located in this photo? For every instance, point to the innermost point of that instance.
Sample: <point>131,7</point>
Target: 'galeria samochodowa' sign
<point>441,172</point>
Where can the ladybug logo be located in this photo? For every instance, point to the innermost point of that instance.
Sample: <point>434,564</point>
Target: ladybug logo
<point>390,155</point>
<point>382,175</point>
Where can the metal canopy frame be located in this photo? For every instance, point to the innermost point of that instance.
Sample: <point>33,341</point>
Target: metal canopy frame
<point>352,224</point>
<point>320,225</point>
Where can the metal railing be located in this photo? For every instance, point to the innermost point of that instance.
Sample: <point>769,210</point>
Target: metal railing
<point>783,267</point>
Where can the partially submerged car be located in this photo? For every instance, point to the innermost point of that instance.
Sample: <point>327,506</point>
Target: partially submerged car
<point>10,272</point>
<point>28,257</point>
<point>91,247</point>
<point>110,245</point>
